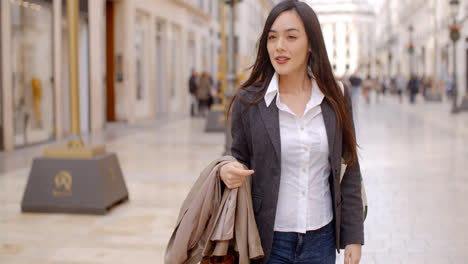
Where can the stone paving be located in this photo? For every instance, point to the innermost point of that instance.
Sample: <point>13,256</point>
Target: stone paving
<point>414,161</point>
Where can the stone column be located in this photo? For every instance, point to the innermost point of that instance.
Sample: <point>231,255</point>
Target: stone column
<point>96,65</point>
<point>7,93</point>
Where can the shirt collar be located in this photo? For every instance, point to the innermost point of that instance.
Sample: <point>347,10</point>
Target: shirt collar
<point>316,97</point>
<point>272,90</point>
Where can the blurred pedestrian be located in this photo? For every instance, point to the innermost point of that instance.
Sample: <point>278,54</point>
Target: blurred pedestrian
<point>400,84</point>
<point>356,83</point>
<point>448,87</point>
<point>378,83</point>
<point>290,103</point>
<point>413,88</point>
<point>393,86</point>
<point>386,85</point>
<point>193,91</point>
<point>366,88</point>
<point>203,94</point>
<point>426,86</point>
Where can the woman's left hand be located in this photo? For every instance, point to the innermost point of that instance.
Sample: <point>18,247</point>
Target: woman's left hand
<point>352,254</point>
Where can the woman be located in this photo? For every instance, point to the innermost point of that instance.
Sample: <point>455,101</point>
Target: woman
<point>291,126</point>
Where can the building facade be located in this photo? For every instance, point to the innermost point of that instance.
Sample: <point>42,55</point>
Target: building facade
<point>348,28</point>
<point>413,37</point>
<point>135,59</point>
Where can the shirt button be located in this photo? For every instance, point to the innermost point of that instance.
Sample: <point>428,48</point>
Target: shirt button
<point>302,193</point>
<point>305,148</point>
<point>302,128</point>
<point>304,169</point>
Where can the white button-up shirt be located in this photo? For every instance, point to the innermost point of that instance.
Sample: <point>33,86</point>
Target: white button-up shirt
<point>304,200</point>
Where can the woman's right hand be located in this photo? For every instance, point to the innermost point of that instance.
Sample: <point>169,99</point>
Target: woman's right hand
<point>233,174</point>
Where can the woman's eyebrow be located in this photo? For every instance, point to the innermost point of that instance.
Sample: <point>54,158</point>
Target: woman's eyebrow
<point>289,29</point>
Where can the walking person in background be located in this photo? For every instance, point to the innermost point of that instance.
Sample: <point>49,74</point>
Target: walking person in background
<point>203,94</point>
<point>413,88</point>
<point>400,84</point>
<point>378,88</point>
<point>386,85</point>
<point>426,85</point>
<point>356,82</point>
<point>366,88</point>
<point>193,91</point>
<point>291,125</point>
<point>449,87</point>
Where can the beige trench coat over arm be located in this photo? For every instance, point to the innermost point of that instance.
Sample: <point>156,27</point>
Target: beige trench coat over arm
<point>208,223</point>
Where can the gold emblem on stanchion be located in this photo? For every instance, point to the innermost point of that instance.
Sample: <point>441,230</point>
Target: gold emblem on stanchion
<point>63,184</point>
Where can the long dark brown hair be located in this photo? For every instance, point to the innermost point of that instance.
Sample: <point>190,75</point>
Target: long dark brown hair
<point>263,71</point>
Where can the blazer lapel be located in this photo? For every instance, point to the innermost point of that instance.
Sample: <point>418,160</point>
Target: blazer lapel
<point>270,119</point>
<point>329,119</point>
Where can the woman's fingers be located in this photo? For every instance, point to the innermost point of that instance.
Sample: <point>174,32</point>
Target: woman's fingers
<point>235,181</point>
<point>242,172</point>
<point>237,178</point>
<point>238,165</point>
<point>346,259</point>
<point>352,254</point>
<point>233,174</point>
<point>239,169</point>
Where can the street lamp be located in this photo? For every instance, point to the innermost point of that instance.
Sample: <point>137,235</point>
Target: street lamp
<point>390,56</point>
<point>410,48</point>
<point>231,75</point>
<point>454,36</point>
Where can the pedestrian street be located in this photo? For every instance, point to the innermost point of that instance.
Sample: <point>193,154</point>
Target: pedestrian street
<point>413,160</point>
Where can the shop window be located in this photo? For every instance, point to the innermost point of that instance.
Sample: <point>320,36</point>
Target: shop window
<point>31,58</point>
<point>141,53</point>
<point>161,105</point>
<point>1,89</point>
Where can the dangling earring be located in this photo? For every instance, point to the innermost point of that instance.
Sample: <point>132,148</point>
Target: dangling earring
<point>309,65</point>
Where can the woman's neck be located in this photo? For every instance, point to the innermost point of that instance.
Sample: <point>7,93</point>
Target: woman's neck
<point>294,84</point>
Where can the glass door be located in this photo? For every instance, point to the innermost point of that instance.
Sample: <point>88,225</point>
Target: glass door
<point>32,72</point>
<point>1,86</point>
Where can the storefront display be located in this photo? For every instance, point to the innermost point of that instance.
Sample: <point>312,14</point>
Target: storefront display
<point>161,93</point>
<point>31,64</point>
<point>1,87</point>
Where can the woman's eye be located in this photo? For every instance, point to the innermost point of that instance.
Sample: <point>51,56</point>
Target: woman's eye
<point>292,37</point>
<point>271,37</point>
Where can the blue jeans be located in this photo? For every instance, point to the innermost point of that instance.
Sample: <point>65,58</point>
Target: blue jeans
<point>313,247</point>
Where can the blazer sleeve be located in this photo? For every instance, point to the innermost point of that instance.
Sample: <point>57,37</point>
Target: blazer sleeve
<point>352,222</point>
<point>239,146</point>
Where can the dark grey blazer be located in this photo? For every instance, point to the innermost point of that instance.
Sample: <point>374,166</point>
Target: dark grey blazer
<point>256,143</point>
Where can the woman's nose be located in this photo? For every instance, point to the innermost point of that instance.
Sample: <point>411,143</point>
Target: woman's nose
<point>280,44</point>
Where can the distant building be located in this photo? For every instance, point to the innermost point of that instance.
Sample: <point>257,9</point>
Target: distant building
<point>349,28</point>
<point>135,59</point>
<point>416,35</point>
